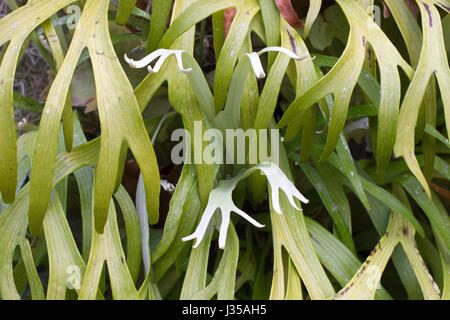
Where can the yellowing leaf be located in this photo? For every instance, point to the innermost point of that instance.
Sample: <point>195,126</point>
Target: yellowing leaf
<point>121,123</point>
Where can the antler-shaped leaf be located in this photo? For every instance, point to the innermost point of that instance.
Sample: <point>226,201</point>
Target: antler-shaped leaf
<point>121,123</point>
<point>336,257</point>
<point>223,282</point>
<point>290,232</point>
<point>13,220</point>
<point>305,259</point>
<point>107,248</point>
<point>221,198</point>
<point>342,79</point>
<point>15,28</point>
<point>366,281</point>
<point>58,56</point>
<point>412,34</point>
<point>433,61</point>
<point>62,250</point>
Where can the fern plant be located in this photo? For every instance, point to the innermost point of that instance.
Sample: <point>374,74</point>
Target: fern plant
<point>324,83</point>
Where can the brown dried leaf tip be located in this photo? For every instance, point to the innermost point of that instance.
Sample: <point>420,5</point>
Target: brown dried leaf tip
<point>228,16</point>
<point>285,7</point>
<point>289,14</point>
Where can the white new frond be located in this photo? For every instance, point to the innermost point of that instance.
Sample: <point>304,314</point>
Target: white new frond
<point>161,55</point>
<point>222,198</point>
<point>256,61</point>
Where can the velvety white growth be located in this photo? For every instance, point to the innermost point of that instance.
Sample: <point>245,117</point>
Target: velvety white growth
<point>256,61</point>
<point>221,198</point>
<point>278,180</point>
<point>161,55</point>
<point>166,185</point>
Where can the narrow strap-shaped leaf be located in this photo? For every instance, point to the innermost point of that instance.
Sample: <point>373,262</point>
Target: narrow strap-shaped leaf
<point>381,194</point>
<point>445,259</point>
<point>247,265</point>
<point>191,213</point>
<point>391,201</point>
<point>433,61</point>
<point>124,12</point>
<point>13,228</point>
<point>179,199</point>
<point>26,18</point>
<point>313,12</point>
<point>13,220</point>
<point>65,262</point>
<point>47,138</point>
<point>58,56</point>
<point>199,11</point>
<point>230,50</point>
<point>333,197</point>
<point>432,131</point>
<point>305,78</point>
<point>352,174</point>
<point>367,83</point>
<point>200,87</point>
<point>192,99</point>
<point>160,14</point>
<point>133,231</point>
<point>145,229</point>
<point>37,291</point>
<point>39,252</point>
<point>8,162</point>
<point>193,14</point>
<point>271,20</point>
<point>15,27</point>
<point>379,214</point>
<point>218,32</point>
<point>230,116</point>
<point>250,95</point>
<point>183,98</point>
<point>112,95</point>
<point>413,38</point>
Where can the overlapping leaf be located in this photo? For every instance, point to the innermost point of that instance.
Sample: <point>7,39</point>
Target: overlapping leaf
<point>15,28</point>
<point>341,80</point>
<point>121,123</point>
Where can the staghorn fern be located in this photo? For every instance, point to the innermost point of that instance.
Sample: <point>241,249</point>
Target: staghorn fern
<point>315,107</point>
